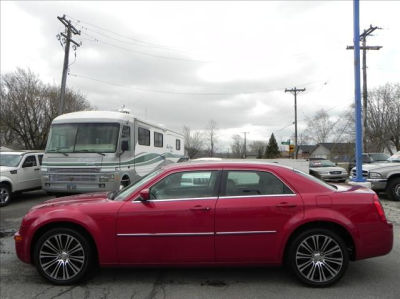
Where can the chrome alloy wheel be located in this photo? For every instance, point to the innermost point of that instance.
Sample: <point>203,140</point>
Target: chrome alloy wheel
<point>61,257</point>
<point>319,258</point>
<point>397,190</point>
<point>4,195</point>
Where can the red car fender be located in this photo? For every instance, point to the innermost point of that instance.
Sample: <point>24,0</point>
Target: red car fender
<point>75,217</point>
<point>314,215</point>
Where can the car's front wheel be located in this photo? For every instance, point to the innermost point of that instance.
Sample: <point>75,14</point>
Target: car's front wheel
<point>5,194</point>
<point>393,189</point>
<point>318,257</point>
<point>63,256</point>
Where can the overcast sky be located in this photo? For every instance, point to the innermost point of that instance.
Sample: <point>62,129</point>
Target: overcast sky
<point>184,63</point>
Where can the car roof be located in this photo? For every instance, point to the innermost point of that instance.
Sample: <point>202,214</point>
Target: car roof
<point>223,163</point>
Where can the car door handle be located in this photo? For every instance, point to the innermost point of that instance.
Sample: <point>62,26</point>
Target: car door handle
<point>285,204</point>
<point>200,208</point>
<point>37,168</point>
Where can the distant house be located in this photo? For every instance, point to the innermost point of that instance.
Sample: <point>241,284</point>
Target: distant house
<point>304,151</point>
<point>337,152</point>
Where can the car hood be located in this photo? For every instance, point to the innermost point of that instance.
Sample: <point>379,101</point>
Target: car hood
<point>369,167</point>
<point>325,169</point>
<point>74,200</point>
<point>7,168</point>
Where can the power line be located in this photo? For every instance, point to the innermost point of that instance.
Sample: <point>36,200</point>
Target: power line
<point>98,40</point>
<point>174,92</point>
<point>134,39</point>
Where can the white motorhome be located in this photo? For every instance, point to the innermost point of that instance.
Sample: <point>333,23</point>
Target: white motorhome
<point>103,151</point>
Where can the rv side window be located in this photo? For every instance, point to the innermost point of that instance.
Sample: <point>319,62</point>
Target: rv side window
<point>158,139</point>
<point>178,145</point>
<point>126,135</point>
<point>143,136</point>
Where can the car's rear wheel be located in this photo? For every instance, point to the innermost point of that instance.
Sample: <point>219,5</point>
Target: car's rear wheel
<point>318,257</point>
<point>63,256</point>
<point>393,189</point>
<point>5,194</point>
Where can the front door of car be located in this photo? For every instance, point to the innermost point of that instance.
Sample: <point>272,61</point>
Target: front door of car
<point>251,215</point>
<point>176,225</point>
<point>29,174</point>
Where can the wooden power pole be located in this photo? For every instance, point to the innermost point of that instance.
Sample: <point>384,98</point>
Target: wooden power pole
<point>67,40</point>
<point>364,48</point>
<point>294,91</point>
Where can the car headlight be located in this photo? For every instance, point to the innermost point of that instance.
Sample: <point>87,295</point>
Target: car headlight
<point>375,175</point>
<point>324,172</point>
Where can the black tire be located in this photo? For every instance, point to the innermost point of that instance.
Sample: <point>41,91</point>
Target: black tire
<point>66,261</point>
<point>318,265</point>
<point>393,189</point>
<point>5,194</point>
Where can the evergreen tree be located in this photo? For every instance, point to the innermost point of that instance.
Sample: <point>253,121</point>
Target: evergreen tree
<point>272,150</point>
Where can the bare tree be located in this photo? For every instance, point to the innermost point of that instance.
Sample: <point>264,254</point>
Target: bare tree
<point>383,117</point>
<point>258,147</point>
<point>211,135</point>
<point>28,107</point>
<point>193,142</point>
<point>237,146</point>
<point>320,128</point>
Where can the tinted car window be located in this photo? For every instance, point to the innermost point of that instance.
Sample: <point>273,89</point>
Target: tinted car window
<point>193,184</point>
<point>29,161</point>
<point>40,158</point>
<point>246,183</point>
<point>143,136</point>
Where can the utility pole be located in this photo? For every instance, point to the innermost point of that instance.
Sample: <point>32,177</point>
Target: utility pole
<point>244,147</point>
<point>364,47</point>
<point>67,40</point>
<point>294,91</point>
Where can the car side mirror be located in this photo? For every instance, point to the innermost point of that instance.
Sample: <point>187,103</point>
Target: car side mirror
<point>124,145</point>
<point>144,195</point>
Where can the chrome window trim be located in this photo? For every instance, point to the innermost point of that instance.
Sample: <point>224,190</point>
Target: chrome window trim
<point>166,234</point>
<point>278,177</point>
<point>175,199</point>
<point>247,232</point>
<point>247,196</point>
<point>197,234</point>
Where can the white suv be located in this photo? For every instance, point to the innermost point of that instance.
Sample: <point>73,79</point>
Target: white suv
<point>19,171</point>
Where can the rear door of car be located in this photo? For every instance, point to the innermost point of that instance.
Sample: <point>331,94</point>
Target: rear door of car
<point>251,214</point>
<point>176,225</point>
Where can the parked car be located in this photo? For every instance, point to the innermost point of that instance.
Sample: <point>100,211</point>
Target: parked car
<point>368,158</point>
<point>243,213</point>
<point>328,171</point>
<point>384,177</point>
<point>19,171</point>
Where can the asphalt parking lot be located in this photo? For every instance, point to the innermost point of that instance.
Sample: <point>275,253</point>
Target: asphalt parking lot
<point>372,278</point>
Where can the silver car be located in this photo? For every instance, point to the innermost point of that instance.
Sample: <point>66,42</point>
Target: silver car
<point>328,171</point>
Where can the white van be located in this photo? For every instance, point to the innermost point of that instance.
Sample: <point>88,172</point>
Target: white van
<point>104,151</point>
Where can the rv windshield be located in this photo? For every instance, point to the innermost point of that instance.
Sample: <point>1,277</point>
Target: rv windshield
<point>83,138</point>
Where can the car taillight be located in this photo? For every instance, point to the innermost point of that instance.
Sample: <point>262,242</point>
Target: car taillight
<point>379,208</point>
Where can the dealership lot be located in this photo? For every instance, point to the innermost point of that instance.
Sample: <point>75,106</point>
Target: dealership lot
<point>371,278</point>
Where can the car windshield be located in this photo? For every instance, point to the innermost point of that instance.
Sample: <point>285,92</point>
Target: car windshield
<point>395,157</point>
<point>83,138</point>
<point>379,157</point>
<point>321,163</point>
<point>315,180</point>
<point>10,160</point>
<point>122,194</point>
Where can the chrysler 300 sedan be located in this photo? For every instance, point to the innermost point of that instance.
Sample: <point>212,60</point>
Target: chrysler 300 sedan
<point>209,214</point>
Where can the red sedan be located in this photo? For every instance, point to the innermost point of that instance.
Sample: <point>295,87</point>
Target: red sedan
<point>208,214</point>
